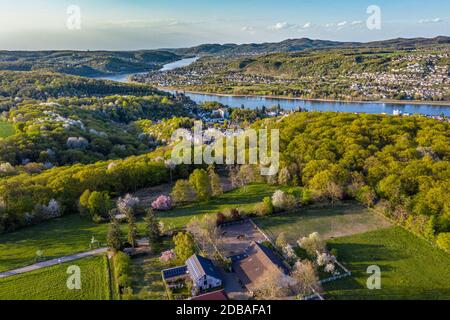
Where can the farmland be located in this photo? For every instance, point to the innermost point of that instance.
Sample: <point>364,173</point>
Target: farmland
<point>51,283</point>
<point>410,267</point>
<point>343,219</point>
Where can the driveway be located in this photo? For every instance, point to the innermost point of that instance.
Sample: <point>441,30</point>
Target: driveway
<point>232,287</point>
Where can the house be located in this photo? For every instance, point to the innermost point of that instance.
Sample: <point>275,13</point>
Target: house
<point>212,296</point>
<point>221,113</point>
<point>203,273</point>
<point>253,265</point>
<point>200,270</point>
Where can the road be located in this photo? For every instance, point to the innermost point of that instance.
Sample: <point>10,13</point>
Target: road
<point>53,262</point>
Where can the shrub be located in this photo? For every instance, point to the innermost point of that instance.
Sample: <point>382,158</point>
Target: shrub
<point>162,203</point>
<point>232,214</point>
<point>221,218</point>
<point>262,209</point>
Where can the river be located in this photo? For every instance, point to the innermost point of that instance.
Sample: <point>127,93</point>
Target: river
<point>255,101</point>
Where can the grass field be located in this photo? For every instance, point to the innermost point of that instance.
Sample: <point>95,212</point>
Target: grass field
<point>146,280</point>
<point>410,267</point>
<point>243,199</point>
<point>72,234</point>
<point>343,219</point>
<point>6,129</point>
<point>51,283</point>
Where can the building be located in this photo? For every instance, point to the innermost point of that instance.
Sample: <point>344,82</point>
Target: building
<point>221,113</point>
<point>203,273</point>
<point>200,270</point>
<point>252,266</point>
<point>212,296</point>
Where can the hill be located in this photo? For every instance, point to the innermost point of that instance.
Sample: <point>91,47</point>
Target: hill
<point>292,45</point>
<point>86,63</point>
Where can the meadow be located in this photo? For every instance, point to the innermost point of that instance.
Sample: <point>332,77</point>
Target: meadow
<point>72,234</point>
<point>411,268</point>
<point>342,219</point>
<point>6,129</point>
<point>146,280</point>
<point>51,283</point>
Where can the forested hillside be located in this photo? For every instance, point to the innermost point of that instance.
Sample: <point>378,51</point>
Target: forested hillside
<point>399,164</point>
<point>86,63</point>
<point>43,85</point>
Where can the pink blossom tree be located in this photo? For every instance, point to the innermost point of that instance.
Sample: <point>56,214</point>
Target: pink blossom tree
<point>162,203</point>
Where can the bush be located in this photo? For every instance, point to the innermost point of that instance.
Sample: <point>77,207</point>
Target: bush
<point>232,214</point>
<point>221,218</point>
<point>262,209</point>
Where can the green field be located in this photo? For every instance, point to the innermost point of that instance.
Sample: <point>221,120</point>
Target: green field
<point>343,219</point>
<point>410,267</point>
<point>72,234</point>
<point>146,280</point>
<point>51,283</point>
<point>243,199</point>
<point>6,129</point>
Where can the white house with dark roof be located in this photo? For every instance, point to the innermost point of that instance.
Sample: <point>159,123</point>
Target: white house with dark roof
<point>203,273</point>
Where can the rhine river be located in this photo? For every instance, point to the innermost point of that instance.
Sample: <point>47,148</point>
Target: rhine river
<point>254,102</point>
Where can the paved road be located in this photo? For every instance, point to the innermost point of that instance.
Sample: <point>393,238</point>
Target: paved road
<point>53,262</point>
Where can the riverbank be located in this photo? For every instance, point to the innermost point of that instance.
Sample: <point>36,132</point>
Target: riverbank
<point>388,101</point>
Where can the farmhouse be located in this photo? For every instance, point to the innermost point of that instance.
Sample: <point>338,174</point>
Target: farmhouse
<point>258,259</point>
<point>203,273</point>
<point>200,270</point>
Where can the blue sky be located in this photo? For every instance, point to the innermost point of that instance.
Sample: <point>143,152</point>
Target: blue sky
<point>138,24</point>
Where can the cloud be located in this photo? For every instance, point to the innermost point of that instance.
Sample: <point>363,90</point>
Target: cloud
<point>248,29</point>
<point>435,20</point>
<point>342,23</point>
<point>281,26</point>
<point>307,25</point>
<point>356,22</point>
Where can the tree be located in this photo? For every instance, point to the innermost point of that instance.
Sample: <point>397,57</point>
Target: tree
<point>216,186</point>
<point>184,246</point>
<point>162,203</point>
<point>128,203</point>
<point>183,192</point>
<point>313,244</point>
<point>99,204</point>
<point>152,230</point>
<point>132,229</point>
<point>114,237</point>
<point>284,177</point>
<point>443,241</point>
<point>83,203</point>
<point>273,284</point>
<point>334,192</point>
<point>281,241</point>
<point>306,279</point>
<point>199,179</point>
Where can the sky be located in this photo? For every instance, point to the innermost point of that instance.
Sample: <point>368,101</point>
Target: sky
<point>151,24</point>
